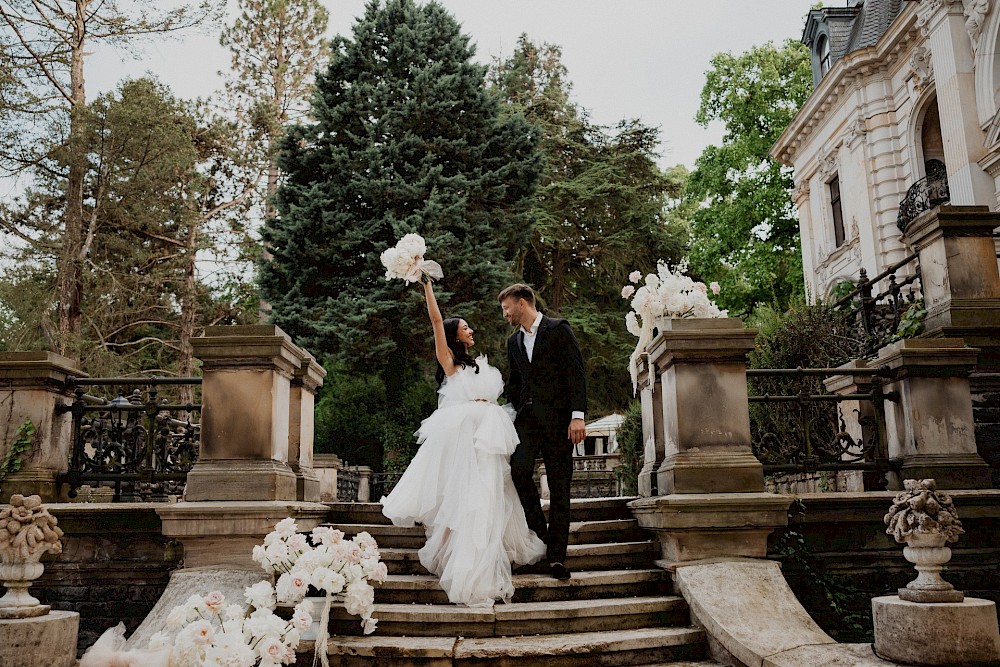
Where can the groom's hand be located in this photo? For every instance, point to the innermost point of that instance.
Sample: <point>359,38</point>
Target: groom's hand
<point>577,431</point>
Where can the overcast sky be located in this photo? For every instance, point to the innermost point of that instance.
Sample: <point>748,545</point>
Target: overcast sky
<point>641,59</point>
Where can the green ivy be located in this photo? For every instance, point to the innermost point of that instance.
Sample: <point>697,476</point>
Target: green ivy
<point>24,437</point>
<point>912,320</point>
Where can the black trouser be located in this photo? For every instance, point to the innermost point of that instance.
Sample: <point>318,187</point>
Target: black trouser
<point>552,442</point>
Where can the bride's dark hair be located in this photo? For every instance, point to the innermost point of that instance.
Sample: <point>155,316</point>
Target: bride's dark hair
<point>462,356</point>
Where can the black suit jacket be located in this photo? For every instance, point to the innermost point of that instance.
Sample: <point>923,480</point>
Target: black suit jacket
<point>554,380</point>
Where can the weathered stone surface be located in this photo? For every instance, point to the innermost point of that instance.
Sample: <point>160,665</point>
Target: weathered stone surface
<point>748,608</point>
<point>936,633</point>
<point>187,582</point>
<point>576,645</point>
<point>47,641</point>
<point>24,612</point>
<point>829,655</point>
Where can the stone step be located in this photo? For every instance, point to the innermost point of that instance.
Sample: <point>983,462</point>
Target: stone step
<point>581,509</point>
<point>585,585</point>
<point>579,557</point>
<point>524,618</point>
<point>580,532</point>
<point>644,646</point>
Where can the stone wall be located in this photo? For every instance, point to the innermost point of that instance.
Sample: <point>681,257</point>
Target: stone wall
<point>986,411</point>
<point>836,555</point>
<point>114,566</point>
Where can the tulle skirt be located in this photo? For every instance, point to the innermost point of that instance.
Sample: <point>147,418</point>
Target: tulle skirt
<point>459,487</point>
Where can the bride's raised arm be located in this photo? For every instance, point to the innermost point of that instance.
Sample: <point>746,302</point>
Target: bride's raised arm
<point>445,356</point>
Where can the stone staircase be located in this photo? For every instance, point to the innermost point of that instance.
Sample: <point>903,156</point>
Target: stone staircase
<point>617,609</point>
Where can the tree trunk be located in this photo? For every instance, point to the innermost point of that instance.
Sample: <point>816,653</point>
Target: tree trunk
<point>189,311</point>
<point>71,257</point>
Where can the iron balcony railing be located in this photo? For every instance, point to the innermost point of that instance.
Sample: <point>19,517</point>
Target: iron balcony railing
<point>140,443</point>
<point>923,195</point>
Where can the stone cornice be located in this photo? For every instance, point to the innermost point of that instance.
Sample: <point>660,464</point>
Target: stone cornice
<point>845,72</point>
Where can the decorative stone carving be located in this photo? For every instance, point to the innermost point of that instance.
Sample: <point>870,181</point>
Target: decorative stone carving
<point>927,10</point>
<point>829,163</point>
<point>975,16</point>
<point>922,67</point>
<point>27,531</point>
<point>800,193</point>
<point>856,130</point>
<point>926,521</point>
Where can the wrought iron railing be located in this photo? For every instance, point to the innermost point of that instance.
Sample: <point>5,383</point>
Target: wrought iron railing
<point>923,195</point>
<point>348,484</point>
<point>874,317</point>
<point>139,442</point>
<point>383,483</point>
<point>594,484</point>
<point>798,426</point>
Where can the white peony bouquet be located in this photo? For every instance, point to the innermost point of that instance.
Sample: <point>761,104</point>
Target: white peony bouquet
<point>405,260</point>
<point>208,632</point>
<point>666,293</point>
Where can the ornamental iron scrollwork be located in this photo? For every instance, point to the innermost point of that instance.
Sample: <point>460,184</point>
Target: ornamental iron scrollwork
<point>927,193</point>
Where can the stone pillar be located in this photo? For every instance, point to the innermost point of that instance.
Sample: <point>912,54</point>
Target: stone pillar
<point>246,387</point>
<point>364,484</point>
<point>326,467</point>
<point>32,385</point>
<point>701,364</point>
<point>651,398</point>
<point>306,379</point>
<point>958,268</point>
<point>930,427</point>
<point>714,504</point>
<point>954,79</point>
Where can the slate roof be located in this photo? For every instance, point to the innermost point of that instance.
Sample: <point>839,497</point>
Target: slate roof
<point>874,20</point>
<point>859,24</point>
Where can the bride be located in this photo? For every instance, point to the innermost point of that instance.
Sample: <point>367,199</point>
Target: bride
<point>459,485</point>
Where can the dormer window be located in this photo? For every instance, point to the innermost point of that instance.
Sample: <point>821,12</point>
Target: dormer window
<point>823,51</point>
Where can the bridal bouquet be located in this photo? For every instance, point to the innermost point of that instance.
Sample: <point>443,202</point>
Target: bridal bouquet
<point>209,631</point>
<point>666,293</point>
<point>405,260</point>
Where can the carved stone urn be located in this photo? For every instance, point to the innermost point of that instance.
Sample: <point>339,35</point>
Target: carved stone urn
<point>27,531</point>
<point>927,522</point>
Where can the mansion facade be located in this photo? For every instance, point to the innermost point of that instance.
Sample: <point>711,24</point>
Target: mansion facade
<point>904,116</point>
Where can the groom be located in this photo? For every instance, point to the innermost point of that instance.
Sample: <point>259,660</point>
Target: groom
<point>548,388</point>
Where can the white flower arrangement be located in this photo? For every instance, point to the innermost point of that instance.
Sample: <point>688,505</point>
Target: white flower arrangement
<point>405,261</point>
<point>666,293</point>
<point>206,631</point>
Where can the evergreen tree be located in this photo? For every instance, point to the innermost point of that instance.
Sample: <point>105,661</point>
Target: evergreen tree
<point>602,210</point>
<point>745,232</point>
<point>406,139</point>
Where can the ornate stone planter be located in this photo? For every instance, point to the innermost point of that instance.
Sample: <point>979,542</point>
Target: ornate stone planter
<point>27,531</point>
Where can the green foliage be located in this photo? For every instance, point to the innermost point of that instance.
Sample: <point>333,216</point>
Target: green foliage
<point>20,446</point>
<point>841,609</point>
<point>744,234</point>
<point>603,209</point>
<point>355,420</point>
<point>807,336</point>
<point>912,320</point>
<point>406,139</point>
<point>631,448</point>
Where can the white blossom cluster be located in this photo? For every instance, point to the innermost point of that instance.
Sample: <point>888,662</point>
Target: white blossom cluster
<point>667,293</point>
<point>405,261</point>
<point>211,633</point>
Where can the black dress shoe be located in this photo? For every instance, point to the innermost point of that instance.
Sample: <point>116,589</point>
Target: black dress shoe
<point>559,571</point>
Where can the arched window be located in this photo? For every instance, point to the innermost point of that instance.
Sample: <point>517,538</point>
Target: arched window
<point>823,50</point>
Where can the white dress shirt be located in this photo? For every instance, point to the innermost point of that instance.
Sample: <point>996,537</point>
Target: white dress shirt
<point>529,336</point>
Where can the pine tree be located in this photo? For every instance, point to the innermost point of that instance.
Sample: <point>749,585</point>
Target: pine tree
<point>406,138</point>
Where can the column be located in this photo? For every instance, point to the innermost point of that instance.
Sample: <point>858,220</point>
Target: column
<point>651,399</point>
<point>930,429</point>
<point>306,379</point>
<point>32,386</point>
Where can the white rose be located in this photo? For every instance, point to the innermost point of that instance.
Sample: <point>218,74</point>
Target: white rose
<point>359,597</point>
<point>368,624</point>
<point>627,291</point>
<point>200,633</point>
<point>635,276</point>
<point>177,618</point>
<point>292,638</point>
<point>277,552</point>
<point>213,602</point>
<point>286,527</point>
<point>271,649</point>
<point>413,245</point>
<point>327,580</point>
<point>292,586</point>
<point>714,286</point>
<point>302,617</point>
<point>380,572</point>
<point>260,595</point>
<point>233,611</point>
<point>366,543</point>
<point>159,640</point>
<point>632,324</point>
<point>327,535</point>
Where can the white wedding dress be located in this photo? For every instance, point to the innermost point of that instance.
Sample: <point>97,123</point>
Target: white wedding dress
<point>459,487</point>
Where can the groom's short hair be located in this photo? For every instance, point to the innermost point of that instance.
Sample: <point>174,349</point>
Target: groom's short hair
<point>518,291</point>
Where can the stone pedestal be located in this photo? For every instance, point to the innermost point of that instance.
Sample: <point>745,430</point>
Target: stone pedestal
<point>46,641</point>
<point>32,385</point>
<point>651,398</point>
<point>930,428</point>
<point>246,399</point>
<point>701,365</point>
<point>693,527</point>
<point>306,379</point>
<point>326,467</point>
<point>943,633</point>
<point>959,276</point>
